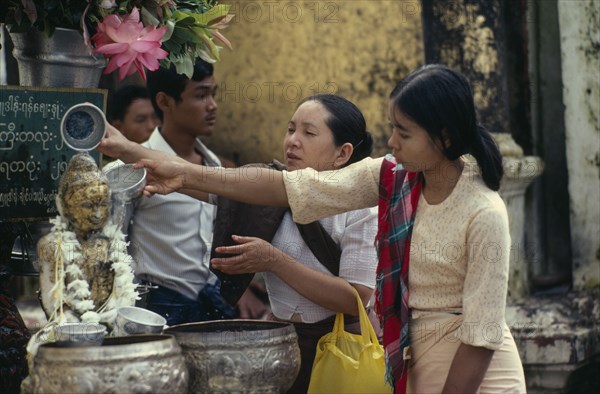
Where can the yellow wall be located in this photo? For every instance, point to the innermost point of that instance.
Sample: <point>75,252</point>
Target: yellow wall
<point>287,50</point>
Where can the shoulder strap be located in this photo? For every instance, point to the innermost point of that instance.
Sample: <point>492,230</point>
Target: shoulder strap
<point>319,241</point>
<point>242,219</point>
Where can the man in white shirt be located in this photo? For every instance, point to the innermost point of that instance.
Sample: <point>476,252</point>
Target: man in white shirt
<point>171,235</point>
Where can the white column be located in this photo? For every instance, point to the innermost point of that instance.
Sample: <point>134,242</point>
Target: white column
<point>579,36</point>
<point>519,172</point>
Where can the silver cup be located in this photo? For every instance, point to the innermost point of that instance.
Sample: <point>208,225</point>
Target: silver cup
<point>83,126</point>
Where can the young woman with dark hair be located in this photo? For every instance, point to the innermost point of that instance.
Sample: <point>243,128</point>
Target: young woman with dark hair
<point>439,214</point>
<point>327,132</point>
<point>441,102</point>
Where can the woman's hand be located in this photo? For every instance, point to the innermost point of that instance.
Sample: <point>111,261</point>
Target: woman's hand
<point>257,255</point>
<point>163,176</point>
<point>114,144</point>
<point>252,255</point>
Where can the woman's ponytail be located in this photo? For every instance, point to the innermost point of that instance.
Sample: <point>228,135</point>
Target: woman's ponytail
<point>489,159</point>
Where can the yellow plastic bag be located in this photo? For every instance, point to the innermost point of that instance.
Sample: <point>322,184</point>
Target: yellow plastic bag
<point>349,363</point>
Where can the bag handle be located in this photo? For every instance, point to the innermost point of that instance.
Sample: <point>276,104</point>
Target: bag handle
<point>366,328</point>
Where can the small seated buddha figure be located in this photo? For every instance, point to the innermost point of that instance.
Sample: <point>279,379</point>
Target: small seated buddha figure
<point>85,270</point>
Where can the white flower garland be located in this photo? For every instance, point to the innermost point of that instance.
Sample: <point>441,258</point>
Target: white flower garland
<point>75,291</point>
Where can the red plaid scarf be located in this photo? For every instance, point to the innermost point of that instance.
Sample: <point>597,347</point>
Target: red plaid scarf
<point>399,192</point>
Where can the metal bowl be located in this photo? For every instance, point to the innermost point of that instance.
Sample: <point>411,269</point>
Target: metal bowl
<point>83,126</point>
<point>239,356</point>
<point>134,364</point>
<point>132,320</point>
<point>79,334</point>
<point>126,183</point>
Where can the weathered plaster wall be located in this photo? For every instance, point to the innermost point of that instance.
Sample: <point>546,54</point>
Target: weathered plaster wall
<point>287,50</point>
<point>469,35</point>
<point>580,53</point>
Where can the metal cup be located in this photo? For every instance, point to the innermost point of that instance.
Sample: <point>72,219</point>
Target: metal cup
<point>83,126</point>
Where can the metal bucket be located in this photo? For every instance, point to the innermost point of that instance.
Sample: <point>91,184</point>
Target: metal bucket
<point>59,61</point>
<point>133,364</point>
<point>239,356</point>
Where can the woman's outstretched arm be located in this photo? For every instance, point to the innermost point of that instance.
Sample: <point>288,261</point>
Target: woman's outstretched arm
<point>312,195</point>
<point>166,174</point>
<point>116,145</point>
<point>253,185</point>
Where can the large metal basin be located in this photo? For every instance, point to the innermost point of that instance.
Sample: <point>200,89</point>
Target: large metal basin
<point>239,356</point>
<point>132,364</point>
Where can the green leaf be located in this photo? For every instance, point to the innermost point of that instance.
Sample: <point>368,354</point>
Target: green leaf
<point>148,18</point>
<point>170,28</point>
<point>202,54</point>
<point>171,46</point>
<point>182,17</point>
<point>188,35</point>
<point>214,13</point>
<point>185,66</point>
<point>206,39</point>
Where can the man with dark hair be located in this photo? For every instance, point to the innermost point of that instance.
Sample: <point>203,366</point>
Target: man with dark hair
<point>171,235</point>
<point>130,110</point>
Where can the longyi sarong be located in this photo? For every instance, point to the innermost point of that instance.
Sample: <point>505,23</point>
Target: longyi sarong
<point>435,339</point>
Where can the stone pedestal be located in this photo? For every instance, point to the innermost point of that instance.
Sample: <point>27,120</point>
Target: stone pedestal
<point>519,172</point>
<point>558,340</point>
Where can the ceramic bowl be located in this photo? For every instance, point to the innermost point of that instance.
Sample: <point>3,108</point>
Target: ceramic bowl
<point>134,320</point>
<point>79,334</point>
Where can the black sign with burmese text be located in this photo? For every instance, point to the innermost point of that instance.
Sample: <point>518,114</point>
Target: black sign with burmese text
<point>33,155</point>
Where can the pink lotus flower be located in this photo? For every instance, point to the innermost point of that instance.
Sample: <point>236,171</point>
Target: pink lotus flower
<point>129,45</point>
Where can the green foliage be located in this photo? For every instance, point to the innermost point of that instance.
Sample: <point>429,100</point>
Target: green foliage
<point>188,22</point>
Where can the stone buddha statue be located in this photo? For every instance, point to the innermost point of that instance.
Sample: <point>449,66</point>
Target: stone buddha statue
<point>77,258</point>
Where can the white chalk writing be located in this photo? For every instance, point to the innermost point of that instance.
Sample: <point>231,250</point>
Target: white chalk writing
<point>24,196</point>
<point>13,105</point>
<point>10,137</point>
<point>9,170</point>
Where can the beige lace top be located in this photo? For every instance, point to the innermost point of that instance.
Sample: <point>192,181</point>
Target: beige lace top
<point>460,248</point>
